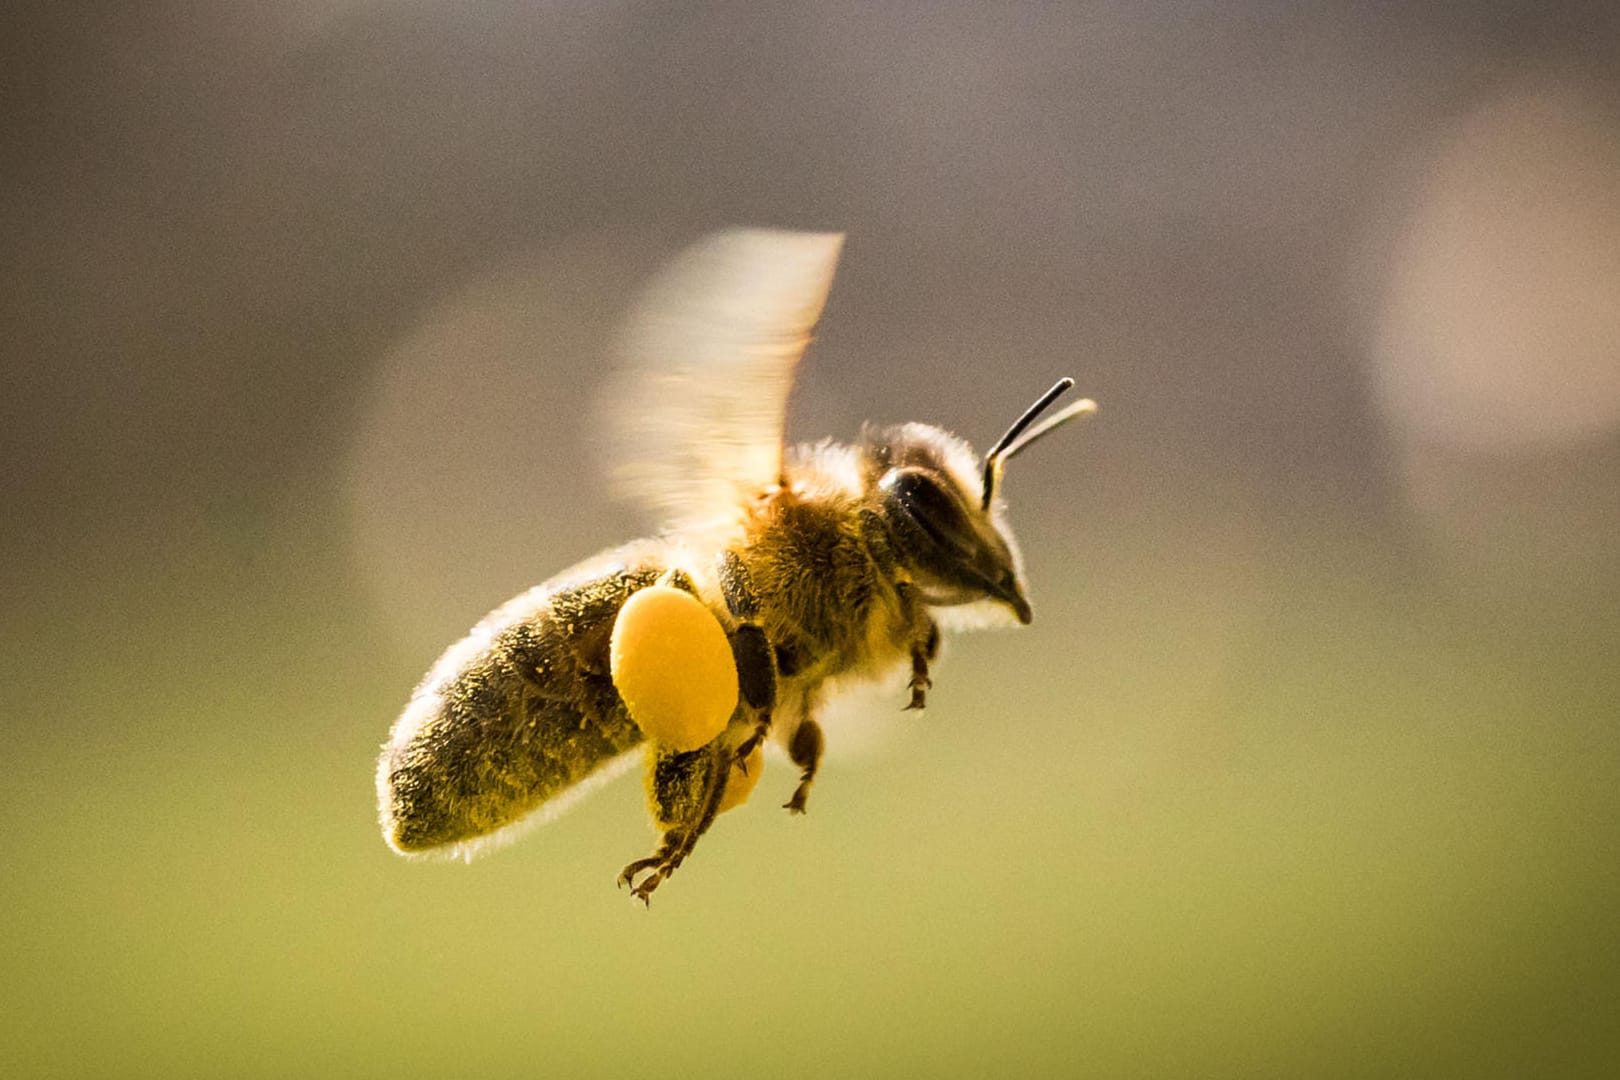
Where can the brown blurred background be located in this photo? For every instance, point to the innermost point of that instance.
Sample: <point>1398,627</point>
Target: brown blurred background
<point>1309,765</point>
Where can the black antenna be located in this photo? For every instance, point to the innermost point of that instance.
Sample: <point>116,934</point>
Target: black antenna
<point>1010,443</point>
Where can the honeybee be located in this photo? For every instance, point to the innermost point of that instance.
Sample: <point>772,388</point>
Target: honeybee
<point>780,575</point>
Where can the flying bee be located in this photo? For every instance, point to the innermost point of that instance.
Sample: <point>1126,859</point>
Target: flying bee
<point>780,575</point>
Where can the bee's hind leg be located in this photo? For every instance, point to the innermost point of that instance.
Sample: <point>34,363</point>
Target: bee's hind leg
<point>677,578</point>
<point>673,848</point>
<point>628,874</point>
<point>685,789</point>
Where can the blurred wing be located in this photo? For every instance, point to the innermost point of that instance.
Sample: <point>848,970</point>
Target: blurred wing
<point>696,411</point>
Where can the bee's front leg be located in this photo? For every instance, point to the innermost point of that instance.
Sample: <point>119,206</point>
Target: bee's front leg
<point>924,649</point>
<point>756,659</point>
<point>923,631</point>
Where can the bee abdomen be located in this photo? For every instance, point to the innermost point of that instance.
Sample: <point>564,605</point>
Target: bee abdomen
<point>520,724</point>
<point>468,772</point>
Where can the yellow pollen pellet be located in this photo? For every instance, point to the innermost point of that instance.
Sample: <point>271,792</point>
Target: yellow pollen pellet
<point>744,775</point>
<point>673,667</point>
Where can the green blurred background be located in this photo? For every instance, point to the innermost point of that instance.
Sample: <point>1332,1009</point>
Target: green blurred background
<point>1307,767</point>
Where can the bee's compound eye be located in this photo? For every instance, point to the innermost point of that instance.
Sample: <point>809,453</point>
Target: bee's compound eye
<point>936,517</point>
<point>673,667</point>
<point>740,784</point>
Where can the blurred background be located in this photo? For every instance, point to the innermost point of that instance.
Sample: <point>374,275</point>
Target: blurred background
<point>1309,764</point>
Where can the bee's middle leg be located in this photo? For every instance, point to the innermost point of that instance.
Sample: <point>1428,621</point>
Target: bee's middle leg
<point>805,750</point>
<point>756,659</point>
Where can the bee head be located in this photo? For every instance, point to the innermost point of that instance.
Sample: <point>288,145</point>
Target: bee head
<point>943,512</point>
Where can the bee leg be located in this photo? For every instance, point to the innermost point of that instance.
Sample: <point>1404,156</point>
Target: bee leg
<point>923,651</point>
<point>686,789</point>
<point>628,874</point>
<point>756,659</point>
<point>925,632</point>
<point>756,683</point>
<point>673,849</point>
<point>805,750</point>
<point>678,579</point>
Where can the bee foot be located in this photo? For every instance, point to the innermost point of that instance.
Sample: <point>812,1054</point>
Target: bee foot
<point>658,866</point>
<point>644,891</point>
<point>628,874</point>
<point>805,751</point>
<point>750,744</point>
<point>920,685</point>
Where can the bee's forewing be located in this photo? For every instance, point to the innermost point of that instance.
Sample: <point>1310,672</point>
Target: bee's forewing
<point>695,412</point>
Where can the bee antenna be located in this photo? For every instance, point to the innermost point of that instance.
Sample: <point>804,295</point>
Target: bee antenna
<point>1017,437</point>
